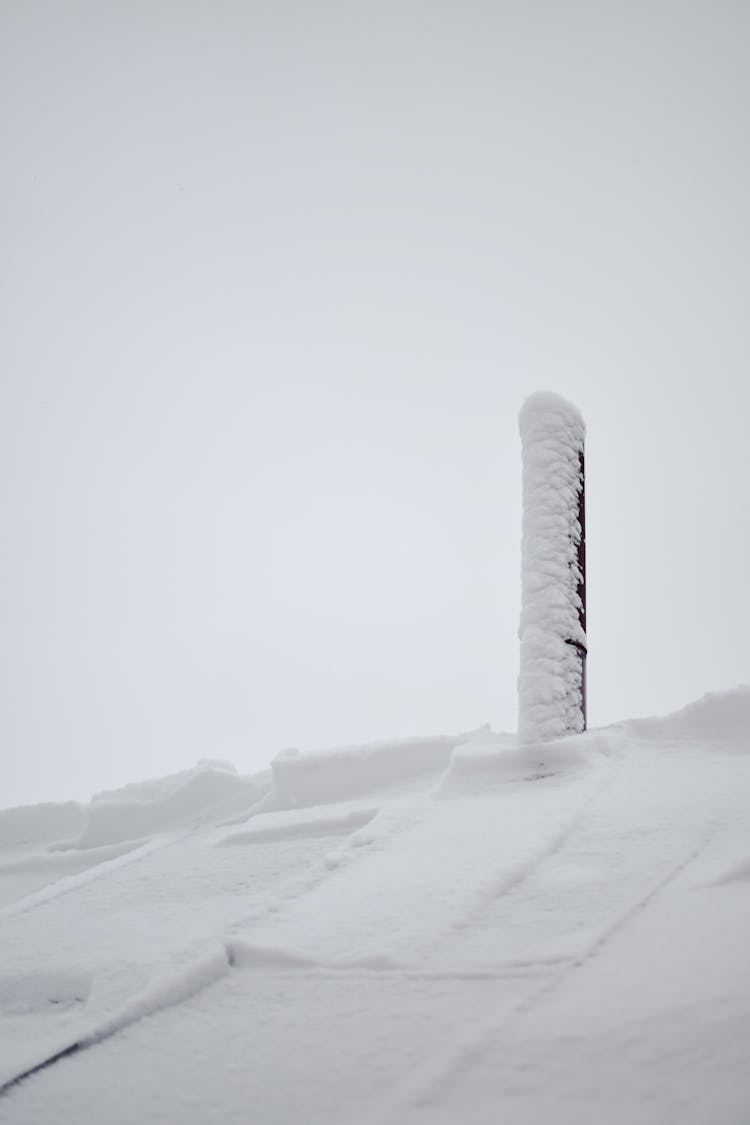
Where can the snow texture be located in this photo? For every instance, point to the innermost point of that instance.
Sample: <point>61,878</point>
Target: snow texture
<point>535,930</point>
<point>550,678</point>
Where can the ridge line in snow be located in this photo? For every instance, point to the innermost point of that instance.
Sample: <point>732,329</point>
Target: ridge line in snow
<point>80,878</point>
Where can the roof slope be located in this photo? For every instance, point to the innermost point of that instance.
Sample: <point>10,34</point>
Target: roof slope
<point>499,930</point>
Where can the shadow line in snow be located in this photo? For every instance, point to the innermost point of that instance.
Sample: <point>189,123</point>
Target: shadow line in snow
<point>63,1053</point>
<point>168,991</point>
<point>244,955</point>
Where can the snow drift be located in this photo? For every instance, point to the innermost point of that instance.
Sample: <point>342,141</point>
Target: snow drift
<point>718,718</point>
<point>153,806</point>
<point>43,823</point>
<point>322,776</point>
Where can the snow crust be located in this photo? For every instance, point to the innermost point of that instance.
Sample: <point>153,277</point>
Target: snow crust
<point>160,788</point>
<point>550,681</point>
<point>321,776</point>
<point>140,810</point>
<point>533,930</point>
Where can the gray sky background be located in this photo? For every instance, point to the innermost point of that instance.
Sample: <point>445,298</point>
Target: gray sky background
<point>276,279</point>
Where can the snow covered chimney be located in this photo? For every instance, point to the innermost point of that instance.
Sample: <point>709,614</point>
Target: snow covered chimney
<point>552,679</point>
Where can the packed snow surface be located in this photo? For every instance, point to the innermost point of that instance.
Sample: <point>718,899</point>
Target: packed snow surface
<point>496,931</point>
<point>550,678</point>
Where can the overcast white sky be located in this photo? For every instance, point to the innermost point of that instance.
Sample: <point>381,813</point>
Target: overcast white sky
<point>276,279</point>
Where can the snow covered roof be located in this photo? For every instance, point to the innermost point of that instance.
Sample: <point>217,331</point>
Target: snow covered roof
<point>464,928</point>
